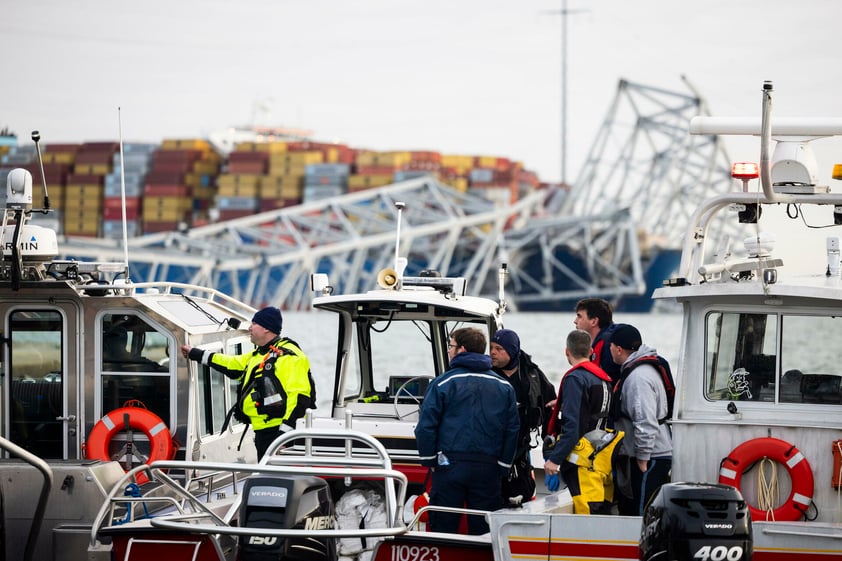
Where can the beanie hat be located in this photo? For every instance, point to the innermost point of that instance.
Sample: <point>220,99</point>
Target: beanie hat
<point>627,337</point>
<point>510,342</point>
<point>270,319</point>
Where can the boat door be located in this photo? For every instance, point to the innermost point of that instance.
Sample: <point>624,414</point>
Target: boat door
<point>39,382</point>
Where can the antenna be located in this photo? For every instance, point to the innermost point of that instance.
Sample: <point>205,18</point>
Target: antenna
<point>123,194</point>
<point>400,206</point>
<point>400,263</point>
<point>36,136</point>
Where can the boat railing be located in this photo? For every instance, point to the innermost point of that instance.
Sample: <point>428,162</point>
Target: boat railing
<point>190,513</point>
<point>695,250</point>
<point>43,497</point>
<point>168,287</point>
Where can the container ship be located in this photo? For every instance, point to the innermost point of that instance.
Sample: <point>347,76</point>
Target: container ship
<point>183,183</point>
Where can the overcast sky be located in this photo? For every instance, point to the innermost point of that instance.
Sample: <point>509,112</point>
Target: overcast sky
<point>457,76</point>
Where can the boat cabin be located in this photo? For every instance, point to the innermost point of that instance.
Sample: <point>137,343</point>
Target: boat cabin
<point>85,348</point>
<point>390,343</point>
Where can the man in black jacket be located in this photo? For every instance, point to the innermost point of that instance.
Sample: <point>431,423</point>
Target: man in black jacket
<point>535,395</point>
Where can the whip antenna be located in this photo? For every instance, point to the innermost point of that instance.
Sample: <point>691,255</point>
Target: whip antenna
<point>36,136</point>
<point>123,194</point>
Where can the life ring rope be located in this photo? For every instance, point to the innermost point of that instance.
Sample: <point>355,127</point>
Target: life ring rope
<point>746,455</point>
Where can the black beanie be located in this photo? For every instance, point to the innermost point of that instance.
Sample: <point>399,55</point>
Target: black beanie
<point>269,318</point>
<point>627,337</point>
<point>510,342</point>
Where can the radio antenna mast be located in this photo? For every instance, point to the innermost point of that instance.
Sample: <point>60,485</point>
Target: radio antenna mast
<point>123,194</point>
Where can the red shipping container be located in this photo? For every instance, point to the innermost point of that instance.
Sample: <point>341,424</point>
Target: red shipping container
<point>55,173</point>
<point>62,148</point>
<point>267,205</point>
<point>376,170</point>
<point>232,214</point>
<point>248,157</point>
<point>152,227</point>
<point>109,146</point>
<point>172,167</point>
<point>247,167</point>
<point>116,213</point>
<point>94,157</point>
<point>164,178</point>
<point>84,179</point>
<point>117,202</point>
<point>162,190</point>
<point>186,156</point>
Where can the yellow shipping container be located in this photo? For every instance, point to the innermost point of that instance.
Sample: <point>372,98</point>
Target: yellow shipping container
<point>237,190</point>
<point>295,159</point>
<point>79,191</point>
<point>383,159</point>
<point>164,215</point>
<point>274,181</point>
<point>185,144</point>
<point>203,192</point>
<point>92,169</point>
<point>206,167</point>
<point>458,162</point>
<point>94,206</point>
<point>229,180</point>
<point>331,155</point>
<point>487,162</point>
<point>458,183</point>
<point>366,158</point>
<point>74,227</point>
<point>394,158</point>
<point>291,171</point>
<point>277,147</point>
<point>59,157</point>
<point>56,191</point>
<point>287,191</point>
<point>357,182</point>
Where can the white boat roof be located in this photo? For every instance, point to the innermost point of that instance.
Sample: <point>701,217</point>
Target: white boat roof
<point>413,296</point>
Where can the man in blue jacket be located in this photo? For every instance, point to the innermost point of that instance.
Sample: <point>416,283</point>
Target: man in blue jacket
<point>467,433</point>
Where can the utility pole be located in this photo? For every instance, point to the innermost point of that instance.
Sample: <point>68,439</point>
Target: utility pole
<point>564,92</point>
<point>564,12</point>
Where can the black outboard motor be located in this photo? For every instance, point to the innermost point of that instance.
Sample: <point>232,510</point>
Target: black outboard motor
<point>299,502</point>
<point>696,521</point>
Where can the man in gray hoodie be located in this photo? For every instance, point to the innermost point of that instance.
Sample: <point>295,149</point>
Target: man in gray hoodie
<point>640,409</point>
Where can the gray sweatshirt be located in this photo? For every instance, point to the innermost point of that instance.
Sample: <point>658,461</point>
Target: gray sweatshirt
<point>644,401</point>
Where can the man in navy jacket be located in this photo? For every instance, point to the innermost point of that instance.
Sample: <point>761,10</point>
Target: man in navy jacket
<point>467,433</point>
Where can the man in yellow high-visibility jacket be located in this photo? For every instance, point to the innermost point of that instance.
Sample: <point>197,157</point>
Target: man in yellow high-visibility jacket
<point>275,386</point>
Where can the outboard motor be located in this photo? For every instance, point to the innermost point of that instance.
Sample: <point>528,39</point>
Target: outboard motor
<point>689,521</point>
<point>298,502</point>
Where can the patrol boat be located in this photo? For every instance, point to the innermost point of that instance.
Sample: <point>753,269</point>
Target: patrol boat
<point>93,383</point>
<point>757,448</point>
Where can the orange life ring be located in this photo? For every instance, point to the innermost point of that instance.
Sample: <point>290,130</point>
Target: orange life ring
<point>745,455</point>
<point>160,440</point>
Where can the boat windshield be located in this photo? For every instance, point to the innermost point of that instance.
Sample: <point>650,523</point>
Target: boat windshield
<point>776,358</point>
<point>391,352</point>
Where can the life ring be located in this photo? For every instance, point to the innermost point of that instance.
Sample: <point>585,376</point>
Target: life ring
<point>139,418</point>
<point>420,502</point>
<point>745,455</point>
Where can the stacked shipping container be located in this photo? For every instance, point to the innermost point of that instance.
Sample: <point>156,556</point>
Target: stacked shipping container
<point>185,182</point>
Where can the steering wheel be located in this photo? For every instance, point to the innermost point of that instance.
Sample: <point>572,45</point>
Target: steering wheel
<point>415,398</point>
